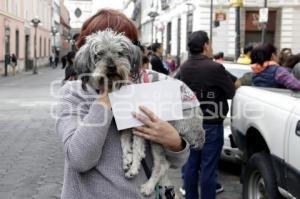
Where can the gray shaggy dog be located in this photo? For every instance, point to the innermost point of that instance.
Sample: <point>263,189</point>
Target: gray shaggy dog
<point>109,60</point>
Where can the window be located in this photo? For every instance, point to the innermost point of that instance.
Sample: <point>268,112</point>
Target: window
<point>17,43</point>
<point>189,26</point>
<point>165,4</point>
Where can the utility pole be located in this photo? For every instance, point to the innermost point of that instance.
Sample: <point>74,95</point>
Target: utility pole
<point>211,21</point>
<point>237,32</point>
<point>152,15</point>
<point>237,4</point>
<point>264,26</point>
<point>35,21</point>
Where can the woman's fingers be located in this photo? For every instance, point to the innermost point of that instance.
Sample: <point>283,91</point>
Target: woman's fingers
<point>145,130</point>
<point>149,113</point>
<point>144,135</point>
<point>145,120</point>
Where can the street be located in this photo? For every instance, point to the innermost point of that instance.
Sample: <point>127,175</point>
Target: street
<point>31,154</point>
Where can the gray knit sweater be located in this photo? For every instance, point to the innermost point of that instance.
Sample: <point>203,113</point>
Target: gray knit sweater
<point>92,147</point>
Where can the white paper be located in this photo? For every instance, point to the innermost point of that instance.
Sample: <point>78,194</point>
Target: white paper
<point>162,97</point>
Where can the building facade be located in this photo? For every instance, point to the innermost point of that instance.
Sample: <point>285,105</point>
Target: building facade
<point>18,33</point>
<point>60,29</point>
<point>176,19</point>
<point>55,26</point>
<point>65,29</point>
<point>79,10</point>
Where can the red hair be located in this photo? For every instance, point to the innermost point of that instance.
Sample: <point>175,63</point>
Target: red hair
<point>108,18</point>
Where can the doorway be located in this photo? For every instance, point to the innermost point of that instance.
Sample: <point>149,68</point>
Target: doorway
<point>253,29</point>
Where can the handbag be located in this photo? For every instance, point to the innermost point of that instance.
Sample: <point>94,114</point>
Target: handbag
<point>169,191</point>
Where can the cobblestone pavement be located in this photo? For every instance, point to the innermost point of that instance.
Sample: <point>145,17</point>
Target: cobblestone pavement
<point>31,158</point>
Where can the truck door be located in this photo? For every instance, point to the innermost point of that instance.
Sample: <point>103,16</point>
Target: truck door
<point>293,154</point>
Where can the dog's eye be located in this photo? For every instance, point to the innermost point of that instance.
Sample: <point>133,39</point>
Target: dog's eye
<point>100,54</point>
<point>120,54</point>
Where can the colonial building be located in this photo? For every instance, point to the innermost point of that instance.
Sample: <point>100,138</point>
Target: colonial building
<point>79,11</point>
<point>61,30</point>
<point>18,33</point>
<point>65,29</point>
<point>171,21</point>
<point>55,26</point>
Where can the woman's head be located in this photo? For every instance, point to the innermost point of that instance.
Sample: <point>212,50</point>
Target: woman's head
<point>248,49</point>
<point>292,60</point>
<point>284,54</point>
<point>169,57</point>
<point>108,18</point>
<point>263,53</point>
<point>157,48</point>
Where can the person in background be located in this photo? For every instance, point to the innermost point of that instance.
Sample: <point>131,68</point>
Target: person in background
<point>245,58</point>
<point>213,86</point>
<point>156,59</point>
<point>293,64</point>
<point>267,71</point>
<point>56,60</point>
<point>219,57</point>
<point>70,73</point>
<point>146,61</point>
<point>14,63</point>
<point>51,60</point>
<point>171,63</point>
<point>64,61</point>
<point>284,54</point>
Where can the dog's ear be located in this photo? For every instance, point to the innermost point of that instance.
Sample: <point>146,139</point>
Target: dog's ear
<point>136,59</point>
<point>82,62</point>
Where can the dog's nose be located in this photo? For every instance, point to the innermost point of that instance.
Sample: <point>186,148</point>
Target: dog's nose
<point>111,68</point>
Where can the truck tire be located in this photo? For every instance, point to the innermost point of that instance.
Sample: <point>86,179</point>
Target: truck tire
<point>259,178</point>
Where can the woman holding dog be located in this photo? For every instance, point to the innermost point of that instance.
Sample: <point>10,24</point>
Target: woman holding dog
<point>93,153</point>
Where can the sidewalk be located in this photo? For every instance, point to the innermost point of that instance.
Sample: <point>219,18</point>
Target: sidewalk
<point>29,74</point>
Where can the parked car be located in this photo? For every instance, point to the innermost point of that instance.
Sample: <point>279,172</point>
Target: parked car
<point>266,128</point>
<point>230,151</point>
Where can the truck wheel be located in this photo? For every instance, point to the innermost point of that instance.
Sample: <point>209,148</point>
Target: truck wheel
<point>259,178</point>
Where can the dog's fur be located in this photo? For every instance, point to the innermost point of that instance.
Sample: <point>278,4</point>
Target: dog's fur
<point>105,49</point>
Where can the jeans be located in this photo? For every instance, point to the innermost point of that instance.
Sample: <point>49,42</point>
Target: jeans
<point>205,160</point>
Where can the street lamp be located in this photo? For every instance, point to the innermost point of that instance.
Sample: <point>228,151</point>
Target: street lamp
<point>264,26</point>
<point>211,21</point>
<point>35,21</point>
<point>152,15</point>
<point>237,4</point>
<point>54,31</point>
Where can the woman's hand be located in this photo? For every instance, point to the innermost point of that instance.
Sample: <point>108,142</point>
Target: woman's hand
<point>104,100</point>
<point>158,131</point>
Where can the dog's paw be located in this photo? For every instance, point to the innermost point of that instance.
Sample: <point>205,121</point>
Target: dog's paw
<point>127,162</point>
<point>131,173</point>
<point>147,189</point>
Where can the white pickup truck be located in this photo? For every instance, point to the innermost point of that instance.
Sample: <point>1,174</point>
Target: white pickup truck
<point>266,127</point>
